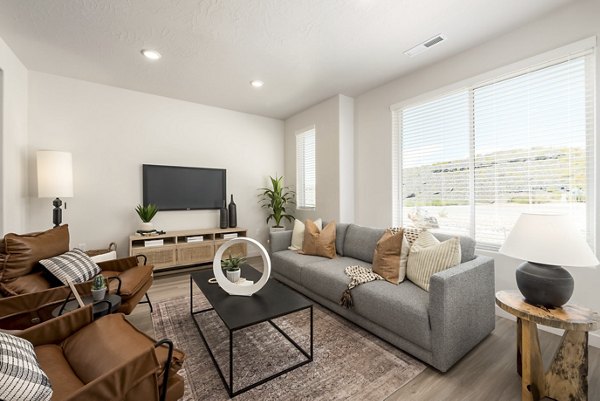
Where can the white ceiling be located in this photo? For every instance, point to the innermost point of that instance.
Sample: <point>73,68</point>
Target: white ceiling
<point>304,50</point>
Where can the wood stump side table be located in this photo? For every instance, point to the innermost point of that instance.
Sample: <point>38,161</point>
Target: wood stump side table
<point>566,378</point>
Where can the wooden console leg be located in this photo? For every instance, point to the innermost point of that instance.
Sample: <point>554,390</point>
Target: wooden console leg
<point>567,377</point>
<point>519,341</point>
<point>532,379</point>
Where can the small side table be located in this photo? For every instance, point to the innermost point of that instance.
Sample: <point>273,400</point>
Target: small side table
<point>566,378</point>
<point>100,308</point>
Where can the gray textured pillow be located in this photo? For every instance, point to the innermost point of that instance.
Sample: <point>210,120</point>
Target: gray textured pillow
<point>75,266</point>
<point>21,378</point>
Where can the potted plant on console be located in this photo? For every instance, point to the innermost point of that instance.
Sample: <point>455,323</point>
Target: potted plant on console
<point>276,199</point>
<point>98,288</point>
<point>146,213</point>
<point>232,267</point>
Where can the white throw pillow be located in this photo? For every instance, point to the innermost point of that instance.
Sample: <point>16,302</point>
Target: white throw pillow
<point>20,374</point>
<point>428,256</point>
<point>403,258</point>
<point>298,234</point>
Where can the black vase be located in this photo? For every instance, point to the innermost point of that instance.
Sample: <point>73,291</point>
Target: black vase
<point>232,213</point>
<point>223,215</point>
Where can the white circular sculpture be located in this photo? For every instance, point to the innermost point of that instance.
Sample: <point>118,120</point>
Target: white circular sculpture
<point>233,288</point>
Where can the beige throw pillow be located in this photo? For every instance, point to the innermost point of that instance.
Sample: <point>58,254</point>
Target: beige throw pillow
<point>386,257</point>
<point>319,243</point>
<point>298,233</point>
<point>428,256</point>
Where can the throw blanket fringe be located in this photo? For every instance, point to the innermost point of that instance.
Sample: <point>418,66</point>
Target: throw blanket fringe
<point>358,275</point>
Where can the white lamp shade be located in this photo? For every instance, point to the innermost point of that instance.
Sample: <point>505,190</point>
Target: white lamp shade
<point>548,239</point>
<point>55,174</point>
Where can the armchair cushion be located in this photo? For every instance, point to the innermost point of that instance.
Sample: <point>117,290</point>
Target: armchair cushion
<point>20,374</point>
<point>19,254</point>
<point>52,361</point>
<point>132,280</point>
<point>34,282</point>
<point>74,266</point>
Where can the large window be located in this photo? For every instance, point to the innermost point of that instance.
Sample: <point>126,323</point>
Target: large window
<point>470,162</point>
<point>305,169</point>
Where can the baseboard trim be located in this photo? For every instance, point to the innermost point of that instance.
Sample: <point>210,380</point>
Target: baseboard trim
<point>594,337</point>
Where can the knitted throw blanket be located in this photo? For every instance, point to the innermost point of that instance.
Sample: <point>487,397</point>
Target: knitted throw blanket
<point>358,275</point>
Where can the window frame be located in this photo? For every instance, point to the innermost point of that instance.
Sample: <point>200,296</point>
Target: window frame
<point>583,48</point>
<point>300,186</point>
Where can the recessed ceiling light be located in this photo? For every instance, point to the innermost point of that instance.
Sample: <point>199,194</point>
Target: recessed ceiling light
<point>151,54</point>
<point>257,83</point>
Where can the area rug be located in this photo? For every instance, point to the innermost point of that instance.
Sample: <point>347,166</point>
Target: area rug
<point>348,364</point>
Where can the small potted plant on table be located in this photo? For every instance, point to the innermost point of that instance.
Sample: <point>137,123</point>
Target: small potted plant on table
<point>146,213</point>
<point>99,288</point>
<point>232,267</point>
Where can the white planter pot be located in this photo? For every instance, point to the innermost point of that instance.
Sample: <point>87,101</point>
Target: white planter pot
<point>98,295</point>
<point>234,275</point>
<point>146,226</point>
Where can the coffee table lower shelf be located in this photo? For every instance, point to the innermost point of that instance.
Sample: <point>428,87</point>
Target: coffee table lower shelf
<point>229,384</point>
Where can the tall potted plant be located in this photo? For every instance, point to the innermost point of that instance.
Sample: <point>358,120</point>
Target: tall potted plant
<point>275,200</point>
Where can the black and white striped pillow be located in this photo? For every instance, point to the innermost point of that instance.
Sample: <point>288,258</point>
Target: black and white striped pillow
<point>75,266</point>
<point>20,374</point>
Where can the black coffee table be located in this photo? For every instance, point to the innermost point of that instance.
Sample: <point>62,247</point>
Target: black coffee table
<point>239,312</point>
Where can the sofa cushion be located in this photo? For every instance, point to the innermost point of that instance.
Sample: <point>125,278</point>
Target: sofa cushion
<point>327,277</point>
<point>74,266</point>
<point>402,309</point>
<point>52,361</point>
<point>298,233</point>
<point>340,236</point>
<point>386,259</point>
<point>360,242</point>
<point>290,263</point>
<point>319,242</point>
<point>20,374</point>
<point>19,254</point>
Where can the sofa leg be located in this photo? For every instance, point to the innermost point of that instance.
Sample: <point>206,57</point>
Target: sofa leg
<point>147,301</point>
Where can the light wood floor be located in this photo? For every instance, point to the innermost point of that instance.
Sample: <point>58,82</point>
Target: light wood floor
<point>487,373</point>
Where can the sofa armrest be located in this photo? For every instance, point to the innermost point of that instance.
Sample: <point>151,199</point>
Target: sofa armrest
<point>280,240</point>
<point>461,309</point>
<point>56,330</point>
<point>119,265</point>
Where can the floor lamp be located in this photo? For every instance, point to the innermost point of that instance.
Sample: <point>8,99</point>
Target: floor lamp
<point>55,179</point>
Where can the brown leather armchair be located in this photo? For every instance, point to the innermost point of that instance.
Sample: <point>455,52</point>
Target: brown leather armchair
<point>21,272</point>
<point>105,359</point>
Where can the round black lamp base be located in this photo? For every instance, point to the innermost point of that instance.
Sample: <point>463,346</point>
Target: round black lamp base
<point>546,285</point>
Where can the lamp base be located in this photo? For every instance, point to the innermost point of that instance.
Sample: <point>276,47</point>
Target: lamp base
<point>546,285</point>
<point>57,212</point>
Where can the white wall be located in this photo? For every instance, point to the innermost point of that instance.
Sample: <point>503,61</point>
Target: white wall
<point>13,142</point>
<point>334,133</point>
<point>111,132</point>
<point>374,126</point>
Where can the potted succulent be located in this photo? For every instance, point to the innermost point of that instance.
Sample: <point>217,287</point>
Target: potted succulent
<point>276,199</point>
<point>231,265</point>
<point>146,213</point>
<point>99,288</point>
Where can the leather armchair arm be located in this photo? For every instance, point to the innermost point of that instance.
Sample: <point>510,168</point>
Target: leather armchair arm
<point>119,265</point>
<point>56,330</point>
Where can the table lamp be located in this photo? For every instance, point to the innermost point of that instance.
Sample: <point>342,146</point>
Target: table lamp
<point>55,179</point>
<point>546,242</point>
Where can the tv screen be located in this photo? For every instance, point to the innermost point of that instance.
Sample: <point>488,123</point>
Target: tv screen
<point>184,188</point>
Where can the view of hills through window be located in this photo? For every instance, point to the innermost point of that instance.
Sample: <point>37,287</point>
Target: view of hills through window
<point>474,160</point>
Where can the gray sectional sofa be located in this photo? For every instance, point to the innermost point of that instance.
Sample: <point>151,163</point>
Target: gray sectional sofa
<point>438,327</point>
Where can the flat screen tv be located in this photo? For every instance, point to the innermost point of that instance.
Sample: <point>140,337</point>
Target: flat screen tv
<point>184,188</point>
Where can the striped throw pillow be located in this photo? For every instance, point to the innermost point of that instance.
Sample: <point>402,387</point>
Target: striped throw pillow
<point>428,256</point>
<point>20,375</point>
<point>75,266</point>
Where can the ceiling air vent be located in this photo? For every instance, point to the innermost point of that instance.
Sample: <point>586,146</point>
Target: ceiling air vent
<point>420,48</point>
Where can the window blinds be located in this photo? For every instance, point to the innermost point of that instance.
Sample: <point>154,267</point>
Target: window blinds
<point>471,162</point>
<point>305,169</point>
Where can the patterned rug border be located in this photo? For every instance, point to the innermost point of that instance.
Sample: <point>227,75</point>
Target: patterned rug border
<point>172,315</point>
